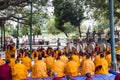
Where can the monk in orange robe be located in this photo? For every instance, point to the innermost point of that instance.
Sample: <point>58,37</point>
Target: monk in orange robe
<point>19,71</point>
<point>76,59</point>
<point>58,67</point>
<point>27,62</point>
<point>71,67</point>
<point>64,58</point>
<point>102,67</point>
<point>34,54</point>
<point>88,66</point>
<point>39,69</point>
<point>49,61</point>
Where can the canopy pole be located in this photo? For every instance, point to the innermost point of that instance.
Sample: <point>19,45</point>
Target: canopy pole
<point>111,10</point>
<point>31,8</point>
<point>18,35</point>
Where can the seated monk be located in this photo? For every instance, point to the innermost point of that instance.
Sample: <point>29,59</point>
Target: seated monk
<point>72,67</point>
<point>19,71</point>
<point>102,67</point>
<point>49,61</point>
<point>39,69</point>
<point>58,67</point>
<point>5,71</point>
<point>64,58</point>
<point>34,54</point>
<point>88,66</point>
<point>27,62</point>
<point>76,59</point>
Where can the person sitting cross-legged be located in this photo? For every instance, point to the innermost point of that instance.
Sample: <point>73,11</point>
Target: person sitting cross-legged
<point>39,69</point>
<point>19,71</point>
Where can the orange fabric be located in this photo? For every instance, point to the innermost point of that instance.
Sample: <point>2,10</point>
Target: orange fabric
<point>76,59</point>
<point>39,70</point>
<point>59,68</point>
<point>7,53</point>
<point>83,59</point>
<point>12,62</point>
<point>1,61</point>
<point>72,68</point>
<point>96,60</point>
<point>34,53</point>
<point>88,66</point>
<point>27,62</point>
<point>64,59</point>
<point>56,54</point>
<point>19,72</point>
<point>108,58</point>
<point>49,62</point>
<point>104,67</point>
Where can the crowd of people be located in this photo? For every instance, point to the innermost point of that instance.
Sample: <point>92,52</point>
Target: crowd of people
<point>85,60</point>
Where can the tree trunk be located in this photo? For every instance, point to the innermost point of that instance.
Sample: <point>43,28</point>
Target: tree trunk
<point>79,31</point>
<point>66,34</point>
<point>33,39</point>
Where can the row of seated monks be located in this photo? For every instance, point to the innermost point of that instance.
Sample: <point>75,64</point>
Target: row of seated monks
<point>49,61</point>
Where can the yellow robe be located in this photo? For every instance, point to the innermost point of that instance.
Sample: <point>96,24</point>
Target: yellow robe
<point>118,49</point>
<point>19,72</point>
<point>27,62</point>
<point>39,70</point>
<point>96,60</point>
<point>12,51</point>
<point>88,66</point>
<point>104,69</point>
<point>83,59</point>
<point>108,58</point>
<point>64,59</point>
<point>58,67</point>
<point>76,59</point>
<point>7,53</point>
<point>72,68</point>
<point>33,54</point>
<point>1,61</point>
<point>12,62</point>
<point>49,62</point>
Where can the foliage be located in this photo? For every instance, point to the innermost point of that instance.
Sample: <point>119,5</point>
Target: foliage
<point>100,9</point>
<point>101,26</point>
<point>68,11</point>
<point>51,26</point>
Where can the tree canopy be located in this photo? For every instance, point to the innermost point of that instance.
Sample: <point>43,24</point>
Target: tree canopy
<point>68,11</point>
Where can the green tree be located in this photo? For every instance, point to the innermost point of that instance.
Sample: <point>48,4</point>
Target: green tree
<point>100,9</point>
<point>68,11</point>
<point>51,26</point>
